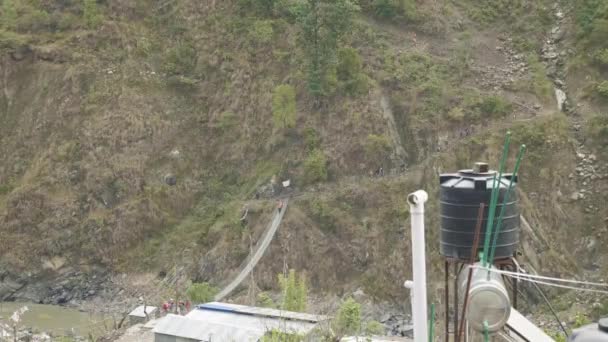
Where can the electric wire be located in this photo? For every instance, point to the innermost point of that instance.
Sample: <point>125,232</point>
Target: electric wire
<point>539,278</point>
<point>542,293</point>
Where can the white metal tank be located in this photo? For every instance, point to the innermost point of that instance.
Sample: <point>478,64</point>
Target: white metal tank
<point>488,299</point>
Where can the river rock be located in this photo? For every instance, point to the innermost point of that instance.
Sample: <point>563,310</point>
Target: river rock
<point>550,55</point>
<point>557,34</point>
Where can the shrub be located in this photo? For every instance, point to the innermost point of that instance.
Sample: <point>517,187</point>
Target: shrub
<point>90,13</point>
<point>294,291</point>
<point>284,106</point>
<point>349,63</point>
<point>262,31</point>
<point>601,57</point>
<point>558,336</point>
<point>311,136</point>
<point>580,320</point>
<point>261,7</point>
<point>598,129</point>
<point>181,59</point>
<point>349,72</point>
<point>264,300</point>
<point>495,106</point>
<point>323,214</point>
<point>348,320</point>
<point>8,20</point>
<point>409,10</point>
<point>589,17</point>
<point>374,328</point>
<point>201,292</point>
<point>602,89</point>
<point>315,167</point>
<point>280,336</point>
<point>287,9</point>
<point>385,8</point>
<point>377,148</point>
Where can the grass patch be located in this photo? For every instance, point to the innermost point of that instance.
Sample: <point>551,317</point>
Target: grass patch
<point>597,129</point>
<point>540,85</point>
<point>10,40</point>
<point>541,137</point>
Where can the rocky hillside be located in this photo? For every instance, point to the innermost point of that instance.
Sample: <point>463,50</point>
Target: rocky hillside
<point>134,132</point>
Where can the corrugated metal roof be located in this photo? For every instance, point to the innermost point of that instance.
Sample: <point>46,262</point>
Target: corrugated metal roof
<point>266,312</point>
<point>252,322</point>
<point>193,329</point>
<point>232,322</point>
<point>139,311</point>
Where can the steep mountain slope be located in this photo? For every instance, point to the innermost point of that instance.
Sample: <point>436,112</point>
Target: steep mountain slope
<point>105,103</point>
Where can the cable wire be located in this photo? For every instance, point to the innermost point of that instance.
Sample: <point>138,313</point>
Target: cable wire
<point>528,276</point>
<point>518,276</point>
<point>542,293</point>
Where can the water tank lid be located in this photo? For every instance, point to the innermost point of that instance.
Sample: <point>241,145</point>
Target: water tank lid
<point>603,324</point>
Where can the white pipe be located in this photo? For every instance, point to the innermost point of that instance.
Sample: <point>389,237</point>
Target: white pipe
<point>416,201</point>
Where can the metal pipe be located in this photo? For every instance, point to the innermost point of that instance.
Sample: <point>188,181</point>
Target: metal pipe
<point>474,248</point>
<point>520,155</point>
<point>416,201</point>
<point>494,199</point>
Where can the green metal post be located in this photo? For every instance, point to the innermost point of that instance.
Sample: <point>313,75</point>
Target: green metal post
<point>486,331</point>
<point>494,198</point>
<point>520,155</point>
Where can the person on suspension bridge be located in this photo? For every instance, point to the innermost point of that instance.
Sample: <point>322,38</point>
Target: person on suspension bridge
<point>279,205</point>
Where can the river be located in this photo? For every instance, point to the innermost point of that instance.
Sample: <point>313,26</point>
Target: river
<point>55,320</point>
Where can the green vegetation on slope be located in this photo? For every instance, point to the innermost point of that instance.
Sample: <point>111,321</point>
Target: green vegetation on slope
<point>105,101</point>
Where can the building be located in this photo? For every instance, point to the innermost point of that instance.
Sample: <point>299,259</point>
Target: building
<point>139,316</point>
<point>231,322</point>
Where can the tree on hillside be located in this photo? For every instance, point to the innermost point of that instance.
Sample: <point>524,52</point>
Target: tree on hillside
<point>294,292</point>
<point>322,24</point>
<point>284,106</point>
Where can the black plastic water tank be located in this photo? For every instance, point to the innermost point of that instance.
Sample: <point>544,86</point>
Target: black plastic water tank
<point>460,196</point>
<point>597,332</point>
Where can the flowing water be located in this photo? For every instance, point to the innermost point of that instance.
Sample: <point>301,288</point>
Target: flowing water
<point>55,320</point>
